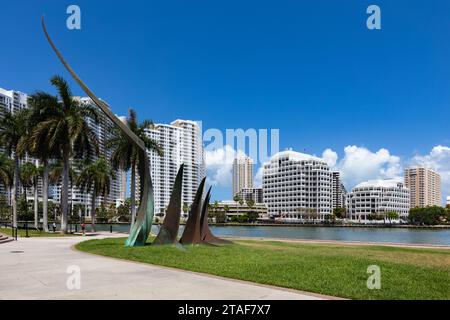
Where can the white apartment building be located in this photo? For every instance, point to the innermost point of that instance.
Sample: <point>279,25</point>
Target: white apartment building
<point>425,187</point>
<point>233,208</point>
<point>255,194</point>
<point>13,101</point>
<point>181,142</point>
<point>296,184</point>
<point>242,174</point>
<point>376,197</point>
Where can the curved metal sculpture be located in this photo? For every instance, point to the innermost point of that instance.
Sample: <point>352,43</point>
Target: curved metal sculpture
<point>142,226</point>
<point>169,230</point>
<point>191,233</point>
<point>205,233</point>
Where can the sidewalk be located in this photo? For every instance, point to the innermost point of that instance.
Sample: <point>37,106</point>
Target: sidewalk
<point>36,268</point>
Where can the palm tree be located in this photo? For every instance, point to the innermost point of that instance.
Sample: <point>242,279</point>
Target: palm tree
<point>12,129</point>
<point>55,173</point>
<point>43,106</point>
<point>6,178</point>
<point>226,208</point>
<point>67,130</point>
<point>29,175</point>
<point>6,168</point>
<point>96,178</point>
<point>125,154</point>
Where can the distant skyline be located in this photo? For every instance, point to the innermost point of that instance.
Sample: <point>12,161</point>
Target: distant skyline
<point>370,102</point>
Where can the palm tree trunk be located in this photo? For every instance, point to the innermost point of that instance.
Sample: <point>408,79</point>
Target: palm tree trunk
<point>36,205</point>
<point>133,193</point>
<point>65,190</point>
<point>93,210</point>
<point>14,191</point>
<point>45,196</point>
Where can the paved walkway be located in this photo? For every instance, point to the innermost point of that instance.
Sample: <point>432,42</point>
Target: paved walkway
<point>36,268</point>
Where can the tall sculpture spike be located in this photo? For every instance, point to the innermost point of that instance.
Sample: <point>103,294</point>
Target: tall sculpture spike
<point>191,233</point>
<point>206,234</point>
<point>141,228</point>
<point>169,230</point>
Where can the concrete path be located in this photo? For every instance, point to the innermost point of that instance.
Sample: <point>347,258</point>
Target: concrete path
<point>36,268</point>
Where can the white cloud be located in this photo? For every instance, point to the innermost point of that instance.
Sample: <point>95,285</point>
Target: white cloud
<point>360,164</point>
<point>439,160</point>
<point>257,180</point>
<point>357,164</point>
<point>219,165</point>
<point>330,157</point>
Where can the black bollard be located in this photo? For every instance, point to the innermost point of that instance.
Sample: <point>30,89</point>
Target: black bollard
<point>110,228</point>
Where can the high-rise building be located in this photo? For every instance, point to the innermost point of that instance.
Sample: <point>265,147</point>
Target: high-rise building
<point>242,174</point>
<point>425,187</point>
<point>181,142</point>
<point>377,197</point>
<point>338,191</point>
<point>255,194</point>
<point>297,184</point>
<point>12,101</point>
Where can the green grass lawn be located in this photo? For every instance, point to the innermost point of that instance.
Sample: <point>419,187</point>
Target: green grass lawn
<point>338,270</point>
<point>33,233</point>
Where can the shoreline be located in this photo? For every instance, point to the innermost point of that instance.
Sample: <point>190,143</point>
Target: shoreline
<point>297,225</point>
<point>344,242</point>
<point>309,225</point>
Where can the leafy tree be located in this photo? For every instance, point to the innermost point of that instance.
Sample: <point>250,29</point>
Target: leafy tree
<point>103,215</point>
<point>96,178</point>
<point>5,209</point>
<point>252,216</point>
<point>426,216</point>
<point>250,203</point>
<point>29,175</point>
<point>124,211</point>
<point>6,169</point>
<point>220,216</point>
<point>392,215</point>
<point>339,212</point>
<point>23,211</point>
<point>78,210</point>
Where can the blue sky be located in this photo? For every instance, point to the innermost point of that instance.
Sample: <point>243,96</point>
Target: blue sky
<point>308,68</point>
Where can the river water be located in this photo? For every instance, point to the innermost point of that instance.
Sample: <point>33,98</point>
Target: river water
<point>397,235</point>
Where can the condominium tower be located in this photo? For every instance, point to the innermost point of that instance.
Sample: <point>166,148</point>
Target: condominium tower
<point>425,187</point>
<point>12,101</point>
<point>242,174</point>
<point>181,143</point>
<point>254,194</point>
<point>339,193</point>
<point>297,184</point>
